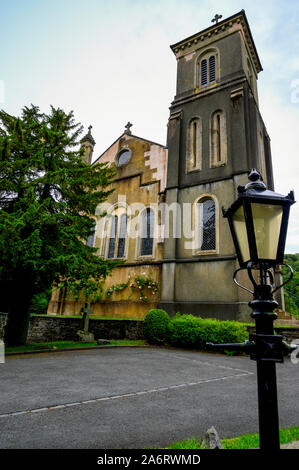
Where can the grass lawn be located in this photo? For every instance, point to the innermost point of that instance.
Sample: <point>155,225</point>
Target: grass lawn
<point>69,344</point>
<point>246,441</point>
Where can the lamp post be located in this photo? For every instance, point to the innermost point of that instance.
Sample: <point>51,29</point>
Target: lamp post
<point>258,221</point>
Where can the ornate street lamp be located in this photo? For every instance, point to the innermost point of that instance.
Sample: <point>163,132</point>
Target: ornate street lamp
<point>258,221</point>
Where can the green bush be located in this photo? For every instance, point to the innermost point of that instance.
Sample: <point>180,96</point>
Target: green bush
<point>190,331</point>
<point>155,326</point>
<point>40,302</point>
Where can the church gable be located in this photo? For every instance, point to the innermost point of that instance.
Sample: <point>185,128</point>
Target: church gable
<point>134,156</point>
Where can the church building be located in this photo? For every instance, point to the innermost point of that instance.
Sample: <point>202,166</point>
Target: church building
<point>164,218</point>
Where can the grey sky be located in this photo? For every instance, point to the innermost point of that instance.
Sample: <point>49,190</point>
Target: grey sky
<point>110,62</point>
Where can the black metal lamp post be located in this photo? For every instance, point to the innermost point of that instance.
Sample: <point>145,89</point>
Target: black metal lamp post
<point>258,221</point>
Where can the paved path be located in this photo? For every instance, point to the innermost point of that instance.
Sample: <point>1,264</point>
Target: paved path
<point>132,398</point>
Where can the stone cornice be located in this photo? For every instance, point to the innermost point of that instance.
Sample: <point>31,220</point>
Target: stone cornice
<point>178,101</point>
<point>237,22</point>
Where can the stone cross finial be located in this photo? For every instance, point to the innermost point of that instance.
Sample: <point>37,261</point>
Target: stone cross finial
<point>89,129</point>
<point>216,18</point>
<point>127,127</point>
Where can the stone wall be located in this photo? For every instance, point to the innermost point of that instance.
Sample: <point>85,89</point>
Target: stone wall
<point>2,324</point>
<point>46,328</point>
<point>51,328</point>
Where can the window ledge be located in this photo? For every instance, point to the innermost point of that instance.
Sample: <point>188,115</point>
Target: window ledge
<point>145,257</point>
<point>217,165</point>
<point>193,170</point>
<point>204,252</point>
<point>208,86</point>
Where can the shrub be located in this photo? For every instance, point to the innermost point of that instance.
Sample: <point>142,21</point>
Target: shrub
<point>40,302</point>
<point>155,326</point>
<point>190,331</point>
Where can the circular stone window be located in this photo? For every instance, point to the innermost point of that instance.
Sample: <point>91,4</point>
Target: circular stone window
<point>123,157</point>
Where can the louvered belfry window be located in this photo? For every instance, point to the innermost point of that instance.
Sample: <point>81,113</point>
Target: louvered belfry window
<point>208,70</point>
<point>204,72</point>
<point>207,227</point>
<point>212,69</point>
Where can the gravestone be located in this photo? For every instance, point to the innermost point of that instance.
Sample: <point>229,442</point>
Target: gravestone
<point>84,335</point>
<point>212,440</point>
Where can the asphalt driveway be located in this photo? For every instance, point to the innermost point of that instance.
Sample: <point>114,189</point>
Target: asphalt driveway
<point>132,398</point>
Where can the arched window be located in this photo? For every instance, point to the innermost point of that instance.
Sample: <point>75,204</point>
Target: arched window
<point>112,239</point>
<point>262,157</point>
<point>122,236</point>
<point>117,236</point>
<point>218,139</point>
<point>206,224</point>
<point>90,238</point>
<point>207,68</point>
<point>194,145</point>
<point>147,232</point>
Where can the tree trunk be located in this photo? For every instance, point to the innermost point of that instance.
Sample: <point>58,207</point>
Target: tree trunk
<point>20,298</point>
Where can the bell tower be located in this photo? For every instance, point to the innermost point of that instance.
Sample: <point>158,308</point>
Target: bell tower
<point>215,136</point>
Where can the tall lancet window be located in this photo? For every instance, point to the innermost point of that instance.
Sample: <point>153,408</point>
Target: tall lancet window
<point>118,235</point>
<point>262,157</point>
<point>194,145</point>
<point>122,236</point>
<point>112,239</point>
<point>218,139</point>
<point>207,225</point>
<point>90,238</point>
<point>147,232</point>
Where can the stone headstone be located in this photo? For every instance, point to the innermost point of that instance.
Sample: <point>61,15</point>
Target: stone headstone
<point>103,341</point>
<point>85,337</point>
<point>212,440</point>
<point>83,334</point>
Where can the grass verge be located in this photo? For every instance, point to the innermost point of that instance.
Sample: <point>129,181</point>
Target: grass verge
<point>69,344</point>
<point>246,441</point>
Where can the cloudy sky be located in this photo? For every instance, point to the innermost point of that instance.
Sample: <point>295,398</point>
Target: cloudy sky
<point>110,62</point>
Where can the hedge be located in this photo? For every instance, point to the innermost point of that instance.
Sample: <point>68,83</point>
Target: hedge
<point>191,332</point>
<point>155,326</point>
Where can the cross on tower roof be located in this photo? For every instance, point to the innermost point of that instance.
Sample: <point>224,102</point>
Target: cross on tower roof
<point>216,18</point>
<point>89,129</point>
<point>127,127</point>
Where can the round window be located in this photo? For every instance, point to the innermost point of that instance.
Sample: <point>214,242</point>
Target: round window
<point>123,157</point>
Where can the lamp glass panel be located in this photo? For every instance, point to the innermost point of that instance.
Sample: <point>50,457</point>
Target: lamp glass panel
<point>267,223</point>
<point>241,233</point>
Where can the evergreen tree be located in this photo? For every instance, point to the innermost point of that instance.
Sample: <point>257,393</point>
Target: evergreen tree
<point>48,196</point>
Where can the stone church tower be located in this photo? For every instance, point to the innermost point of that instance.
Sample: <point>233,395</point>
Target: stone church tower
<point>175,193</point>
<point>215,136</point>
